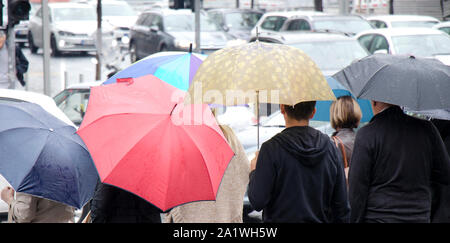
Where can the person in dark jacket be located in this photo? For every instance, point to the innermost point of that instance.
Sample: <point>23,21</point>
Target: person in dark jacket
<point>440,209</point>
<point>298,175</point>
<point>395,160</point>
<point>114,205</point>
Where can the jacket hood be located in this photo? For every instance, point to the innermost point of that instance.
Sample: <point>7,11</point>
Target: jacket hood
<point>306,144</point>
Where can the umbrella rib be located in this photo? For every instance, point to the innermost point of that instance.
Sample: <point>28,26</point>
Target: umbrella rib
<point>196,146</point>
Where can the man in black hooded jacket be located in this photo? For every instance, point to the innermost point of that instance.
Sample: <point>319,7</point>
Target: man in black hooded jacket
<point>297,175</point>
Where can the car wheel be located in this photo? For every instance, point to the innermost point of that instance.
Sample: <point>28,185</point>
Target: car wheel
<point>54,47</point>
<point>32,46</point>
<point>133,55</point>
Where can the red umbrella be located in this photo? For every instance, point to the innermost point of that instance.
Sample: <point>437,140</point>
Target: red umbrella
<point>143,142</point>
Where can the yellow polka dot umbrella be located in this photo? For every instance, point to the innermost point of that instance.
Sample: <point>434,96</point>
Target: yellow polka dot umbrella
<point>285,73</point>
<point>258,72</point>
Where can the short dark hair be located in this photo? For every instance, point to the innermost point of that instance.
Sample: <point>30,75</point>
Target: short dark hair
<point>300,111</point>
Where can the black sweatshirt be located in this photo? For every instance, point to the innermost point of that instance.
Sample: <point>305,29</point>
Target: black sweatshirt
<point>299,177</point>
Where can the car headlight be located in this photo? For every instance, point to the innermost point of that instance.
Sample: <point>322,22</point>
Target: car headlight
<point>236,42</point>
<point>184,44</point>
<point>125,39</point>
<point>65,33</point>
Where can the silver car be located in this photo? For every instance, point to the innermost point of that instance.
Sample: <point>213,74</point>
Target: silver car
<point>72,28</point>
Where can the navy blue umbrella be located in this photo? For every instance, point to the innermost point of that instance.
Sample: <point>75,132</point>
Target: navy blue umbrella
<point>43,156</point>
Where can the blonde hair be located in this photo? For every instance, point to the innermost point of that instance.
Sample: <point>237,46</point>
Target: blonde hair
<point>345,113</point>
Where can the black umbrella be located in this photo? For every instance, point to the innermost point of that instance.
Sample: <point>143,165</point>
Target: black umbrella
<point>416,83</point>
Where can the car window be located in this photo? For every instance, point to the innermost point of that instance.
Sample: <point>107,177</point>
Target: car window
<point>378,24</point>
<point>157,21</point>
<point>217,17</point>
<point>69,14</point>
<point>141,19</point>
<point>148,21</point>
<point>365,41</point>
<point>186,23</point>
<point>332,55</point>
<point>298,24</point>
<point>242,20</point>
<point>39,13</point>
<point>117,10</point>
<point>379,43</point>
<point>445,29</point>
<point>73,103</point>
<point>342,25</point>
<point>422,45</point>
<point>273,23</point>
<point>414,24</point>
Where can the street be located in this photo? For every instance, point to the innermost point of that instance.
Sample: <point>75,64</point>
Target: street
<point>79,68</point>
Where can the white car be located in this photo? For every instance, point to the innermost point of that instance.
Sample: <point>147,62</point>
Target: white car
<point>47,104</point>
<point>73,100</point>
<point>273,22</point>
<point>73,28</point>
<point>420,42</point>
<point>121,16</point>
<point>237,117</point>
<point>402,21</point>
<point>443,26</point>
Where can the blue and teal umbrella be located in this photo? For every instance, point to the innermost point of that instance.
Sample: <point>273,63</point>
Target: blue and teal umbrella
<point>175,68</point>
<point>323,107</point>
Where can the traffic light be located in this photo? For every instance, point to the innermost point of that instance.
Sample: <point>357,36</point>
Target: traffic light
<point>18,10</point>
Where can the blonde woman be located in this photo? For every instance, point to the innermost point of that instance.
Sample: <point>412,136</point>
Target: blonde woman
<point>229,203</point>
<point>345,115</point>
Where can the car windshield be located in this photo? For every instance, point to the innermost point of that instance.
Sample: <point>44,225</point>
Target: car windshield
<point>242,21</point>
<point>332,55</point>
<point>342,25</point>
<point>117,10</point>
<point>422,45</point>
<point>69,14</point>
<point>413,24</point>
<point>182,23</point>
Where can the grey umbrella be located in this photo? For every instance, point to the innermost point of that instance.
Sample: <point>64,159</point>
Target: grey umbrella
<point>416,83</point>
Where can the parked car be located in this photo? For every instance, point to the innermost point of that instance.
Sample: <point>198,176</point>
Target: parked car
<point>330,51</point>
<point>72,28</point>
<point>121,16</point>
<point>47,104</point>
<point>174,30</point>
<point>402,21</point>
<point>421,42</point>
<point>237,117</point>
<point>272,22</point>
<point>73,100</point>
<point>237,22</point>
<point>444,26</point>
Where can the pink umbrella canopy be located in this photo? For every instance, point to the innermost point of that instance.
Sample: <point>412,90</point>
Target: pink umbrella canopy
<point>142,141</point>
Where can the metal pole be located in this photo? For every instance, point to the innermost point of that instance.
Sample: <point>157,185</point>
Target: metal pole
<point>11,56</point>
<point>257,116</point>
<point>46,46</point>
<point>197,25</point>
<point>98,70</point>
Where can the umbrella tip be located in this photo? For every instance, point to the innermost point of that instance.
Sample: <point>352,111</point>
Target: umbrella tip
<point>190,48</point>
